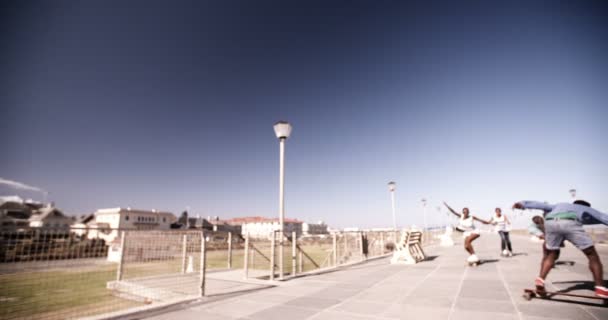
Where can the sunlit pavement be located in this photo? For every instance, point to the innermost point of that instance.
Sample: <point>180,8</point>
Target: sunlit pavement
<point>441,288</point>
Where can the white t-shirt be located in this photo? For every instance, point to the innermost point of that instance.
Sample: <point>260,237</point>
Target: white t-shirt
<point>466,224</point>
<point>500,223</point>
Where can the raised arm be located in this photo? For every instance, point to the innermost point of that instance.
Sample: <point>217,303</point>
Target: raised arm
<point>451,210</point>
<point>534,205</point>
<point>592,216</point>
<point>481,220</point>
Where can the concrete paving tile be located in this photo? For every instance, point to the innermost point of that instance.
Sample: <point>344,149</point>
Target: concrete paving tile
<point>405,311</point>
<point>430,301</point>
<point>485,305</point>
<point>188,314</point>
<point>362,307</point>
<point>312,302</point>
<point>283,312</point>
<point>476,315</point>
<point>555,311</point>
<point>377,296</point>
<point>495,294</point>
<point>267,297</point>
<point>600,313</point>
<point>435,291</point>
<point>235,308</point>
<point>336,293</point>
<point>334,315</point>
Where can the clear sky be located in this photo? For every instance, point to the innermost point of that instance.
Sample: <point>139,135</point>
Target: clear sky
<point>171,104</point>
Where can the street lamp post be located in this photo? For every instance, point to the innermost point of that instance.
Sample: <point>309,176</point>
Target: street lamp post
<point>391,188</point>
<point>282,129</point>
<point>572,194</point>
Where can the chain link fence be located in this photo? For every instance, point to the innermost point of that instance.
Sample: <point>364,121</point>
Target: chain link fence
<point>67,274</point>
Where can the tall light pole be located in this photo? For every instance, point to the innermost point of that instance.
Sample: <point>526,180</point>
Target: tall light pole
<point>423,200</point>
<point>282,129</point>
<point>572,194</point>
<point>391,188</point>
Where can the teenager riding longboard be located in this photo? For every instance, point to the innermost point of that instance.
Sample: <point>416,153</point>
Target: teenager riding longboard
<point>466,225</point>
<point>564,221</point>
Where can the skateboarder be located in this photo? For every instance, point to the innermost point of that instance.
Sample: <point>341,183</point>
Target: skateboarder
<point>500,222</point>
<point>564,221</point>
<point>467,226</point>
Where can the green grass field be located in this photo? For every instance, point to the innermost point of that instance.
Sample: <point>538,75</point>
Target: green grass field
<point>81,291</point>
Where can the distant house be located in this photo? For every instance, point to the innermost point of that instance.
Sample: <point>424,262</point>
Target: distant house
<point>16,212</point>
<point>50,218</point>
<point>310,229</point>
<point>14,215</point>
<point>108,221</point>
<point>262,228</point>
<point>82,224</point>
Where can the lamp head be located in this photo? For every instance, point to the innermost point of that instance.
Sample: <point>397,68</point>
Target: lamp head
<point>282,129</point>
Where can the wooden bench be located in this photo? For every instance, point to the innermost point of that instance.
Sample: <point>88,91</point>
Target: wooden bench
<point>409,248</point>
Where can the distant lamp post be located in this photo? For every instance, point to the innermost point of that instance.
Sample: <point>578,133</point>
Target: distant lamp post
<point>391,188</point>
<point>282,129</point>
<point>572,194</point>
<point>423,201</point>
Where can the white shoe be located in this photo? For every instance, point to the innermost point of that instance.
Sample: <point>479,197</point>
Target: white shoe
<point>472,258</point>
<point>510,254</point>
<point>505,252</point>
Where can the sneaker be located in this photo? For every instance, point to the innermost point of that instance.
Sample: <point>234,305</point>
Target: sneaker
<point>601,292</point>
<point>505,252</point>
<point>473,258</point>
<point>510,254</point>
<point>540,285</point>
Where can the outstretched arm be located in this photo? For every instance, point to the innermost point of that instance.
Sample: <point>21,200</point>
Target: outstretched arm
<point>481,220</point>
<point>534,205</point>
<point>595,217</point>
<point>451,210</point>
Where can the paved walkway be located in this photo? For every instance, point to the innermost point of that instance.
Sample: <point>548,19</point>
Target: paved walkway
<point>443,288</point>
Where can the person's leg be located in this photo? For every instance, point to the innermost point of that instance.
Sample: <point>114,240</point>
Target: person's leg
<point>553,239</point>
<point>579,237</point>
<point>503,242</point>
<point>469,243</point>
<point>595,265</point>
<point>547,264</point>
<point>508,241</point>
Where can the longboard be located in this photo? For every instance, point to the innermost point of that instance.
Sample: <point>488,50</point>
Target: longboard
<point>547,295</point>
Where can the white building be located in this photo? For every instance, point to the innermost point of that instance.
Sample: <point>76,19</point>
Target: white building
<point>262,228</point>
<point>314,228</point>
<point>108,221</point>
<point>50,218</point>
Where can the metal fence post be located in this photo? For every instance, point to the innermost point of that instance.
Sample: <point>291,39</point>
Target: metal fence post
<point>272,244</point>
<point>184,251</point>
<point>345,253</point>
<point>229,250</point>
<point>246,257</point>
<point>301,263</point>
<point>121,261</point>
<point>335,249</point>
<point>361,252</point>
<point>203,265</point>
<point>293,253</point>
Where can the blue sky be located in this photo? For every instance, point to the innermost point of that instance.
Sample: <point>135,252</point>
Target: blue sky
<point>167,105</point>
